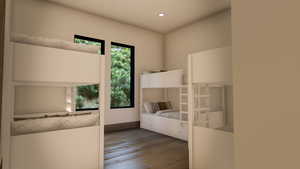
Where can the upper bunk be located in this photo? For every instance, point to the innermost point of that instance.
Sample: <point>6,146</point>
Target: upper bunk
<point>212,66</point>
<point>168,79</point>
<point>52,62</point>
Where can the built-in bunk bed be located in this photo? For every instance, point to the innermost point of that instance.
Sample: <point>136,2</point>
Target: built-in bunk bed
<point>159,115</point>
<point>210,109</point>
<point>58,140</point>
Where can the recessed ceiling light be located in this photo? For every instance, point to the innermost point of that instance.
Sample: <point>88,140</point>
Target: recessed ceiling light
<point>161,14</point>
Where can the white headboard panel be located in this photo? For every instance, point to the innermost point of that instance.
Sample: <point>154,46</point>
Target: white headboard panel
<point>168,79</point>
<point>212,66</point>
<point>45,64</point>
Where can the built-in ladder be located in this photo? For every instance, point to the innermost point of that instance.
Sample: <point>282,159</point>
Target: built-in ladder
<point>208,98</point>
<point>183,103</point>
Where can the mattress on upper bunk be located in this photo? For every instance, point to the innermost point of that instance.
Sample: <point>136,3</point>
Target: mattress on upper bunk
<point>171,114</point>
<point>54,43</point>
<point>27,124</point>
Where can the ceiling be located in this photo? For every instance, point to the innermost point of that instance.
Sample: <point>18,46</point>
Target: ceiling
<point>144,13</point>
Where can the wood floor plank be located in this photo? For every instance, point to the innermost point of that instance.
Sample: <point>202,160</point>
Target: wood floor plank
<point>142,149</point>
<point>134,148</point>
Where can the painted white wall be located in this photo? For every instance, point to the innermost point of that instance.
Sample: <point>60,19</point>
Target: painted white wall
<point>41,18</point>
<point>36,99</point>
<point>212,32</point>
<point>266,84</point>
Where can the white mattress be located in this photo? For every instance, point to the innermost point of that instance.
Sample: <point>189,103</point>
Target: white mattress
<point>54,43</point>
<point>37,125</point>
<point>170,115</point>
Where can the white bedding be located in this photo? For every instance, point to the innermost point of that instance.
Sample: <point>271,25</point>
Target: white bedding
<point>54,43</point>
<point>169,113</point>
<point>51,123</point>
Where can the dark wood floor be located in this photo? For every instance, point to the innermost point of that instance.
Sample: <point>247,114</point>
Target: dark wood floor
<point>142,149</point>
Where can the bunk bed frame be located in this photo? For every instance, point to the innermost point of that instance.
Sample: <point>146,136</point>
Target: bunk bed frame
<point>68,148</point>
<point>209,147</point>
<point>38,65</point>
<point>177,128</point>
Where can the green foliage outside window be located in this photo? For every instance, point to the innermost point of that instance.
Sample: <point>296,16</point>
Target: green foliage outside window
<point>87,42</point>
<point>87,96</point>
<point>120,76</point>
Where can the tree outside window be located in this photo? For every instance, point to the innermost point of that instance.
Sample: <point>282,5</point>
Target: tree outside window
<point>122,77</point>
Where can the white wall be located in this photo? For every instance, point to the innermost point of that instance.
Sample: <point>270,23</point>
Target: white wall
<point>210,33</point>
<point>35,99</point>
<point>266,84</point>
<point>40,18</point>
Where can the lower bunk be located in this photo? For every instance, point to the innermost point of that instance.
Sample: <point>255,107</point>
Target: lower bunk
<point>56,142</point>
<point>167,123</point>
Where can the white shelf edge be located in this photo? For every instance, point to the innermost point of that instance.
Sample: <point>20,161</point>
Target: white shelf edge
<point>162,87</point>
<point>201,96</point>
<point>58,84</point>
<point>197,109</point>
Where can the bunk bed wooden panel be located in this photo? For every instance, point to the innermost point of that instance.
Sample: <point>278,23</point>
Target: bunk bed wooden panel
<point>167,79</point>
<point>44,64</point>
<point>73,148</point>
<point>213,149</point>
<point>171,127</point>
<point>212,66</point>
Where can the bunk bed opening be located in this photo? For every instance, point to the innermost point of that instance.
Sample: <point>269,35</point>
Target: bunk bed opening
<point>47,108</point>
<point>212,106</point>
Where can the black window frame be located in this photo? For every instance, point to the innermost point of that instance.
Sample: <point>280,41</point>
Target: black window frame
<point>132,75</point>
<point>88,109</point>
<point>102,42</point>
<point>132,69</point>
<point>102,51</point>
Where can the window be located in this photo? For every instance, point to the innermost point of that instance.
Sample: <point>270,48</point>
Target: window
<point>122,75</point>
<point>87,97</point>
<point>91,41</point>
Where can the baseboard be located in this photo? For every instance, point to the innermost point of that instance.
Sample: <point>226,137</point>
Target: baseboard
<point>121,126</point>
